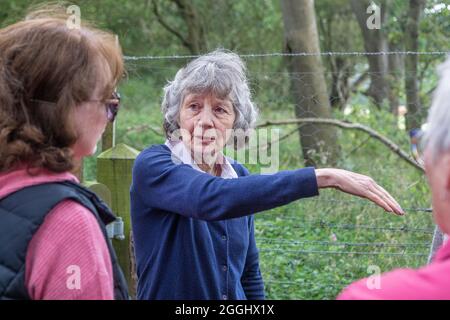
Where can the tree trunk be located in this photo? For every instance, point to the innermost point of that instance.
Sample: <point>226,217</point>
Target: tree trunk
<point>196,32</point>
<point>375,40</point>
<point>414,115</point>
<point>340,82</point>
<point>395,76</point>
<point>195,39</point>
<point>319,143</point>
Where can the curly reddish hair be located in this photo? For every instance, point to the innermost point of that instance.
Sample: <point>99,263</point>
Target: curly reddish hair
<point>46,70</point>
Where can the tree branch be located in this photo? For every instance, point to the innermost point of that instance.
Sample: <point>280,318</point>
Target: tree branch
<point>287,135</point>
<point>348,125</point>
<point>167,26</point>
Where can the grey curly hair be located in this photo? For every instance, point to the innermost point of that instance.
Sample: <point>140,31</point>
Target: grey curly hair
<point>221,73</point>
<point>437,133</point>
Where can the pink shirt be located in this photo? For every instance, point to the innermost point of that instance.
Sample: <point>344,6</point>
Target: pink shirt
<point>68,257</point>
<point>431,282</point>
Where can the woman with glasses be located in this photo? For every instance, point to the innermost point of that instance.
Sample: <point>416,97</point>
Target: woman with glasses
<point>56,98</point>
<point>433,280</point>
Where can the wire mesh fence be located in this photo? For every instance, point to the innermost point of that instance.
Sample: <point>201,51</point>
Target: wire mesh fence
<point>313,248</point>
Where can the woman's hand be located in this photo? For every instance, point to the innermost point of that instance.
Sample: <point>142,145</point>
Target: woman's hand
<point>358,185</point>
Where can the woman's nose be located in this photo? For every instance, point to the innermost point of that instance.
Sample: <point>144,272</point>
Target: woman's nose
<point>206,119</point>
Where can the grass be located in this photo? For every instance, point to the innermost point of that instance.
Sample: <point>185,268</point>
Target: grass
<point>306,246</point>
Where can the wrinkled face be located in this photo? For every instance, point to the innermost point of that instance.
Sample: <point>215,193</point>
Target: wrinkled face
<point>90,120</point>
<point>205,123</point>
<point>438,174</point>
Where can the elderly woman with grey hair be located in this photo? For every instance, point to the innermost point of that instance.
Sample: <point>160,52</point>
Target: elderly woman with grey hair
<point>433,281</point>
<point>192,207</point>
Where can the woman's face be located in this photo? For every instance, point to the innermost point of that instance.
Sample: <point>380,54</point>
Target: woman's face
<point>90,120</point>
<point>438,174</point>
<point>205,123</point>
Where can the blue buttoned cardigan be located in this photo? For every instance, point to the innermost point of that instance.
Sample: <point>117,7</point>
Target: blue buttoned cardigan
<point>194,232</point>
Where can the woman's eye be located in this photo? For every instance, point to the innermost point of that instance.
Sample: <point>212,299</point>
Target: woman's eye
<point>221,110</point>
<point>193,107</point>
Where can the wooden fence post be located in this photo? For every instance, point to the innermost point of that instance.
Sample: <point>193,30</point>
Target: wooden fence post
<point>109,136</point>
<point>114,170</point>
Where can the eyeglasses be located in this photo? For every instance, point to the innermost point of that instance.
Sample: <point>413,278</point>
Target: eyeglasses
<point>112,105</point>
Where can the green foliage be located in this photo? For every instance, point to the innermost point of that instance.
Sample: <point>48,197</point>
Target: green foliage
<point>311,273</point>
<point>292,265</point>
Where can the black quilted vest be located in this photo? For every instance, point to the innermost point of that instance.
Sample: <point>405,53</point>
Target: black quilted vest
<point>21,215</point>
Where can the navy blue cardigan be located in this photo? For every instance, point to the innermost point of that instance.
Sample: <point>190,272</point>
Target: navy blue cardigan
<point>194,233</point>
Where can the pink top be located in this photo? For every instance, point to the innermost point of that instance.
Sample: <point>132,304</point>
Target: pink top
<point>431,282</point>
<point>68,257</point>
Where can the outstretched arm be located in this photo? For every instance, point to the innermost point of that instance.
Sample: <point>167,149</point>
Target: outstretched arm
<point>160,183</point>
<point>358,185</point>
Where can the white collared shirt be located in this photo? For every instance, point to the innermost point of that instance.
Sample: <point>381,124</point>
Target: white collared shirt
<point>181,154</point>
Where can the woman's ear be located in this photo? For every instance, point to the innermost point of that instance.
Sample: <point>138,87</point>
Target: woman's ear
<point>444,170</point>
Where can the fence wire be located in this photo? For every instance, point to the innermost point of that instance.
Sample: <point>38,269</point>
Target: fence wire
<point>289,245</point>
<point>296,54</point>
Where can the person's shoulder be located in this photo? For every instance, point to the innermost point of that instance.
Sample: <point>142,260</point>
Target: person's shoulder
<point>69,236</point>
<point>70,223</point>
<point>154,149</point>
<point>153,162</point>
<point>75,217</point>
<point>152,154</point>
<point>429,282</point>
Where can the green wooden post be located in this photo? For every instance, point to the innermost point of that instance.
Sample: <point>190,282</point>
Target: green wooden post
<point>109,136</point>
<point>99,189</point>
<point>114,170</point>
